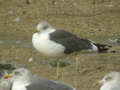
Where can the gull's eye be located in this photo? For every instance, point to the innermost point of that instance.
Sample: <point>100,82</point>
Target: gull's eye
<point>16,73</point>
<point>108,78</point>
<point>45,27</point>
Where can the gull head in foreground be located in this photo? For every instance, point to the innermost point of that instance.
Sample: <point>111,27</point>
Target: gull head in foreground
<point>111,81</point>
<point>20,74</point>
<point>22,79</point>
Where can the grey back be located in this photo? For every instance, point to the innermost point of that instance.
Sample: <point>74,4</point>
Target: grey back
<point>70,41</point>
<point>45,84</point>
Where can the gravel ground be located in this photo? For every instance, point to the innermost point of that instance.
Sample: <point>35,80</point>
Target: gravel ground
<point>97,20</point>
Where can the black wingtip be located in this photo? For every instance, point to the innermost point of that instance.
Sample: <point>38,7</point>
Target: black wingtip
<point>103,47</point>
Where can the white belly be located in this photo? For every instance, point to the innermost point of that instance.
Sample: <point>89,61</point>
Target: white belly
<point>18,86</point>
<point>107,87</point>
<point>45,46</point>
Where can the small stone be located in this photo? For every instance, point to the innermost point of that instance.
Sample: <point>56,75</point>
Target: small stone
<point>75,4</point>
<point>30,59</point>
<point>27,1</point>
<point>16,19</point>
<point>10,12</point>
<point>18,42</point>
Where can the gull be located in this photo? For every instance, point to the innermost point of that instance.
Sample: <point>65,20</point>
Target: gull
<point>111,81</point>
<point>52,42</point>
<point>22,79</point>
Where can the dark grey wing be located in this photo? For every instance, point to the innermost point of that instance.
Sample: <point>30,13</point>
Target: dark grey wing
<point>70,41</point>
<point>45,84</point>
<point>62,86</point>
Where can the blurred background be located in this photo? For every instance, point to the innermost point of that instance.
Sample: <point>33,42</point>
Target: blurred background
<point>97,20</point>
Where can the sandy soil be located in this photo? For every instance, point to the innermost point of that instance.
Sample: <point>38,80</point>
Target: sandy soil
<point>97,20</point>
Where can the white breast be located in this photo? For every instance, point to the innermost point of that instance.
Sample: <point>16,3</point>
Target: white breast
<point>110,86</point>
<point>45,46</point>
<point>17,85</point>
<point>94,48</point>
<point>105,87</point>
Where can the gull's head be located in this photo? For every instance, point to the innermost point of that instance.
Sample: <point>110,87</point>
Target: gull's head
<point>111,77</point>
<point>43,26</point>
<point>19,74</point>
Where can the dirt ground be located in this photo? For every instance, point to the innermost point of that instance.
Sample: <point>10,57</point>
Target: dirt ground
<point>97,20</point>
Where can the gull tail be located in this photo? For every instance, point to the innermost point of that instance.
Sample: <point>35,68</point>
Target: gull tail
<point>103,47</point>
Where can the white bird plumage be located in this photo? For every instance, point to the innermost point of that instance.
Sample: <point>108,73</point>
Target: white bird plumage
<point>42,43</point>
<point>22,79</point>
<point>111,81</point>
<point>52,42</point>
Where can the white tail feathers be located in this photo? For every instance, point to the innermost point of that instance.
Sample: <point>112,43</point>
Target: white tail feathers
<point>100,47</point>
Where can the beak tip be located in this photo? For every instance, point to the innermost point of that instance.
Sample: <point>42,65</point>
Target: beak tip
<point>7,76</point>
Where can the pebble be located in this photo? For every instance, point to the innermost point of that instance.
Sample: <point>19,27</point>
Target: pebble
<point>30,59</point>
<point>18,42</point>
<point>16,19</point>
<point>10,12</point>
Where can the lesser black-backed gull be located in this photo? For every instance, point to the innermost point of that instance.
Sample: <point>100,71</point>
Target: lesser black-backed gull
<point>22,79</point>
<point>111,81</point>
<point>51,42</point>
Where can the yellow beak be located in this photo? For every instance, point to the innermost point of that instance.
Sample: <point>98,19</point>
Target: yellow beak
<point>35,31</point>
<point>7,76</point>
